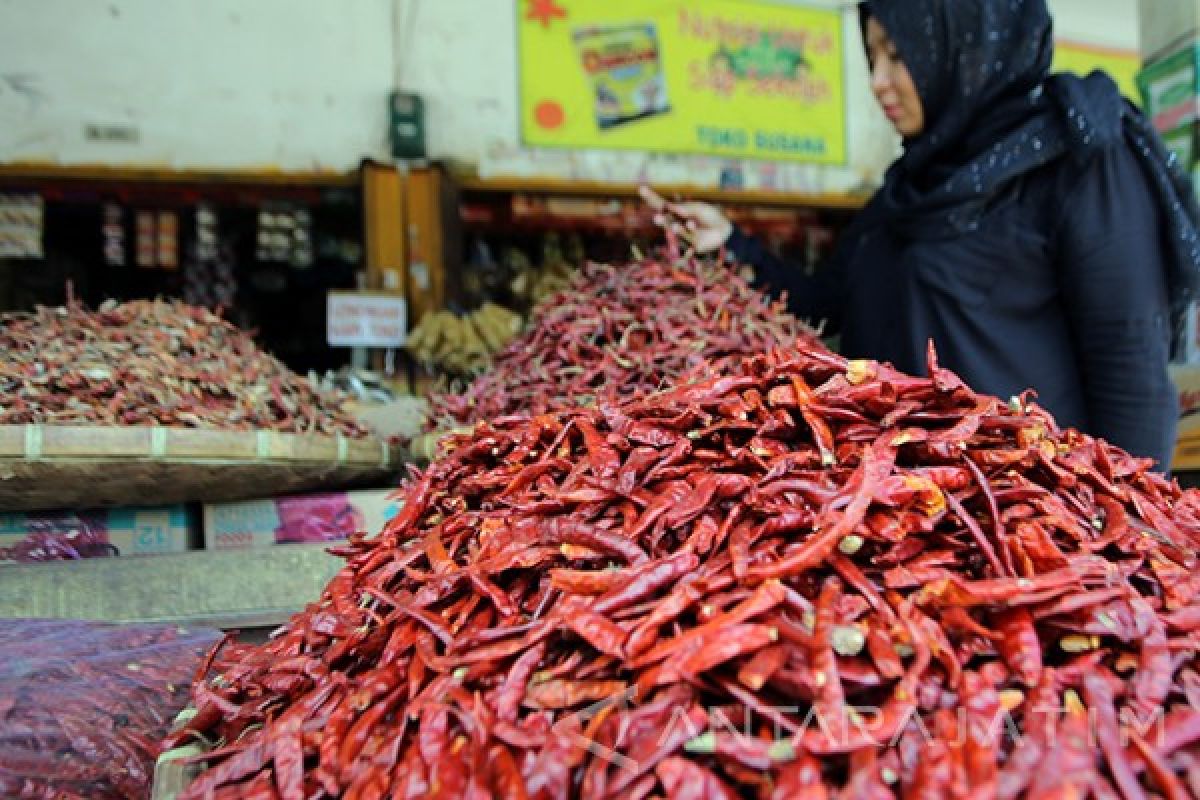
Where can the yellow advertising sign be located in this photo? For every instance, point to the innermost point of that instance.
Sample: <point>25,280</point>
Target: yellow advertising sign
<point>1081,59</point>
<point>719,77</point>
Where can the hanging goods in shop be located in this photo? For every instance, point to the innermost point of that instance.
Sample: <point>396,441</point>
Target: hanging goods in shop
<point>22,220</point>
<point>285,236</point>
<point>208,272</point>
<point>113,234</point>
<point>146,240</point>
<point>167,240</point>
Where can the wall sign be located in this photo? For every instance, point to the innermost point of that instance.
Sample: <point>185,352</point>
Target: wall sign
<point>718,77</point>
<point>365,319</point>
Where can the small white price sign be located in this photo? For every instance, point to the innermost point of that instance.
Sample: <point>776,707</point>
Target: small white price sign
<point>366,319</point>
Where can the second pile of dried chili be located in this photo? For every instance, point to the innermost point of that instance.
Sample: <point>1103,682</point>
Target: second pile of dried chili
<point>619,332</point>
<point>153,362</point>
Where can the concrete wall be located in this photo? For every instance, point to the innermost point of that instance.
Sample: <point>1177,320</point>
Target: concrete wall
<point>293,84</point>
<point>1108,23</point>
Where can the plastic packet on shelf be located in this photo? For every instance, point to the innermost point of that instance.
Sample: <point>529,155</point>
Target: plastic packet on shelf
<point>84,705</point>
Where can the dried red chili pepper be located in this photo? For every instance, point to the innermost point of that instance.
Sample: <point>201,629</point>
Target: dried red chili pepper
<point>595,359</point>
<point>944,561</point>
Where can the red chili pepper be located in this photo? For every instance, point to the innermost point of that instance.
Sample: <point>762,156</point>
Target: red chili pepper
<point>596,629</point>
<point>684,780</point>
<point>755,673</point>
<point>748,751</point>
<point>512,691</point>
<point>556,694</point>
<point>736,641</point>
<point>1163,775</point>
<point>1019,645</point>
<point>765,598</point>
<point>983,727</point>
<point>1152,681</point>
<point>602,541</point>
<point>644,581</point>
<point>877,461</point>
<point>1099,697</point>
<point>1039,725</point>
<point>575,588</point>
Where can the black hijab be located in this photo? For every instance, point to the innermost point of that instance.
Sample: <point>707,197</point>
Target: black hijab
<point>994,113</point>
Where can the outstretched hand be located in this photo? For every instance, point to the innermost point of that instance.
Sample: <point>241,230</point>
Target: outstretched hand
<point>704,225</point>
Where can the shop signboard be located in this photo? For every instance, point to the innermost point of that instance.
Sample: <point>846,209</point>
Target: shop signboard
<point>734,78</point>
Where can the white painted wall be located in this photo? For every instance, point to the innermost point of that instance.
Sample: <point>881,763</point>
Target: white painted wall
<point>301,84</point>
<point>1108,23</point>
<point>292,84</point>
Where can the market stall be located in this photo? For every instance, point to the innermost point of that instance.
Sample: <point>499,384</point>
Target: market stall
<point>411,400</point>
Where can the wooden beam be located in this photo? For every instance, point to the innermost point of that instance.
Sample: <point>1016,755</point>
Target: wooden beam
<point>224,588</point>
<point>45,171</point>
<point>434,240</point>
<point>757,197</point>
<point>384,227</point>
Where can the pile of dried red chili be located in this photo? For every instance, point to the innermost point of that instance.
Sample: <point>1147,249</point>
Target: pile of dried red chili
<point>152,363</point>
<point>84,705</point>
<point>806,578</point>
<point>618,333</point>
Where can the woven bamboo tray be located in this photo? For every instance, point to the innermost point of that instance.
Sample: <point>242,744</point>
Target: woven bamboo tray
<point>424,448</point>
<point>47,467</point>
<point>171,774</point>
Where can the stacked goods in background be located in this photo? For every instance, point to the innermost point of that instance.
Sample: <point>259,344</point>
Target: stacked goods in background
<point>153,363</point>
<point>103,533</point>
<point>299,519</point>
<point>804,576</point>
<point>84,705</point>
<point>618,332</point>
<point>462,345</point>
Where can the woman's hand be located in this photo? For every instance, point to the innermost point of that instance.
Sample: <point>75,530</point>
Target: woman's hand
<point>703,225</point>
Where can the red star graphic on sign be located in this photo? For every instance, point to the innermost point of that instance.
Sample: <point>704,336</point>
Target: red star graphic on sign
<point>545,12</point>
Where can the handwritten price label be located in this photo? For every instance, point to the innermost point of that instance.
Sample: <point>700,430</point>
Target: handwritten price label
<point>357,319</point>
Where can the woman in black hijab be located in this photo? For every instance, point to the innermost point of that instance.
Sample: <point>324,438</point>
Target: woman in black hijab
<point>1034,228</point>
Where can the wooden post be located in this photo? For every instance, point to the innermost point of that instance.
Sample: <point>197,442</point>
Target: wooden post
<point>384,227</point>
<point>434,243</point>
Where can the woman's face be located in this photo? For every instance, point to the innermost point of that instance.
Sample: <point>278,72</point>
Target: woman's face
<point>891,83</point>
